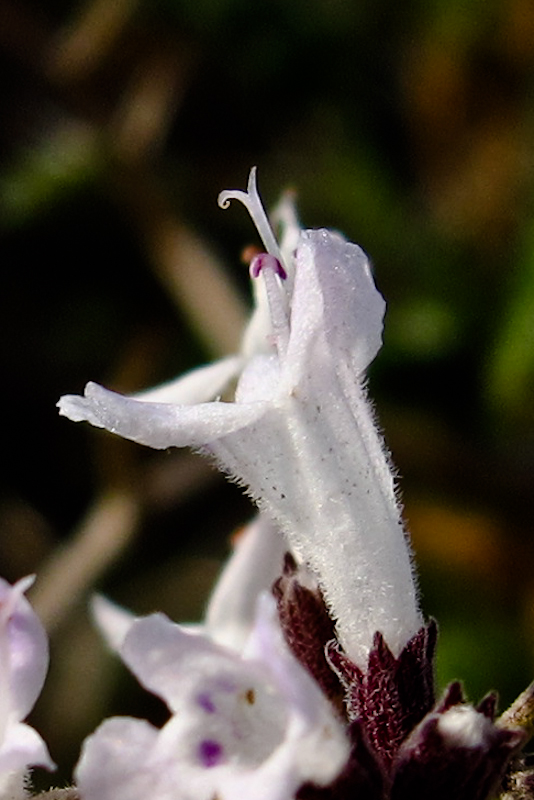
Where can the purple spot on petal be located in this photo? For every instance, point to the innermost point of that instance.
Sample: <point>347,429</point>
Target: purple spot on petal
<point>225,684</point>
<point>210,753</point>
<point>206,703</point>
<point>266,261</point>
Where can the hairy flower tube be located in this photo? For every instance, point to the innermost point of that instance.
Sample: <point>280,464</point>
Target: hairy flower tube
<point>300,434</point>
<point>23,667</point>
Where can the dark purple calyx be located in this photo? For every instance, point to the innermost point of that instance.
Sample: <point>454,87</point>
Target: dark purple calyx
<point>404,745</point>
<point>393,694</point>
<point>433,764</point>
<point>363,778</point>
<point>307,627</point>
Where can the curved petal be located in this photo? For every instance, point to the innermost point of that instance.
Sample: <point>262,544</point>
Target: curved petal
<point>112,764</point>
<point>112,620</point>
<point>253,568</point>
<point>23,652</point>
<point>301,437</point>
<point>160,653</point>
<point>158,425</point>
<point>335,295</point>
<point>22,748</point>
<point>197,386</point>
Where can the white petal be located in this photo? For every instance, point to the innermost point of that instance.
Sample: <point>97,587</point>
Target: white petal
<point>112,620</point>
<point>350,316</point>
<point>23,653</point>
<point>325,493</point>
<point>113,762</point>
<point>335,294</point>
<point>21,748</point>
<point>267,646</point>
<point>258,724</point>
<point>231,716</point>
<point>158,425</point>
<point>160,653</point>
<point>253,568</point>
<point>259,380</point>
<point>198,386</point>
<point>314,746</point>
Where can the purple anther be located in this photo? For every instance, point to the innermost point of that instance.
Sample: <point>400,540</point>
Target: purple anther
<point>266,261</point>
<point>210,753</point>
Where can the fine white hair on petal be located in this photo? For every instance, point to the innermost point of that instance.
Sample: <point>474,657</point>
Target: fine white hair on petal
<point>337,295</point>
<point>158,425</point>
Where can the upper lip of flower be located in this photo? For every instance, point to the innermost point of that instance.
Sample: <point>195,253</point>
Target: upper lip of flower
<point>301,436</point>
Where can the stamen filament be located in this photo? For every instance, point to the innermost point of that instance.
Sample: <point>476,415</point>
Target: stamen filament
<point>273,273</point>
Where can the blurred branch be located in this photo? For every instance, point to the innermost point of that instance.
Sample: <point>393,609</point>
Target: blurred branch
<point>521,713</point>
<point>82,45</point>
<point>149,104</point>
<point>138,122</point>
<point>73,569</point>
<point>190,272</point>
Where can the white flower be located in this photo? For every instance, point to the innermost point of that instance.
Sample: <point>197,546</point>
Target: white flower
<point>251,570</point>
<point>300,435</point>
<point>23,667</point>
<point>253,725</point>
<point>246,716</point>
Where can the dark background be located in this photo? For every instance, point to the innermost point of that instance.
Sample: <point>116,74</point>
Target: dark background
<point>407,126</point>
